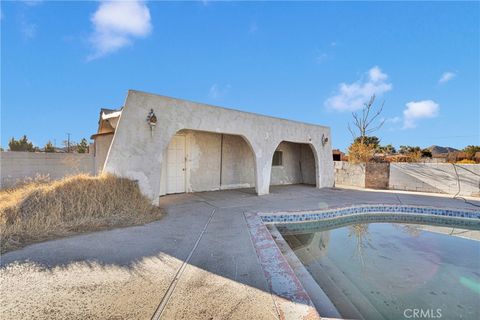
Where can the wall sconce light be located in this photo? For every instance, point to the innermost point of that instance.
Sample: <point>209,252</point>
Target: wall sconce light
<point>324,140</point>
<point>151,120</point>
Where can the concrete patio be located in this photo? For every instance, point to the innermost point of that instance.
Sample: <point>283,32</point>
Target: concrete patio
<point>139,272</point>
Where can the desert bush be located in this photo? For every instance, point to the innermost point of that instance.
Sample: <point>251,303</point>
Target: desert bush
<point>466,161</point>
<point>360,152</point>
<point>39,211</point>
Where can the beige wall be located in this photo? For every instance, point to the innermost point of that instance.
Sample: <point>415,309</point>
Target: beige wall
<point>102,144</point>
<point>16,167</point>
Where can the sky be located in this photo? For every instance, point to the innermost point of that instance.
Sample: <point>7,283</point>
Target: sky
<point>315,62</point>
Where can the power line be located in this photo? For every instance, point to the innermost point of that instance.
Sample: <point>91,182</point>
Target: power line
<point>68,142</point>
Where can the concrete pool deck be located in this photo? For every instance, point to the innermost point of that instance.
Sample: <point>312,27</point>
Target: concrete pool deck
<point>140,271</point>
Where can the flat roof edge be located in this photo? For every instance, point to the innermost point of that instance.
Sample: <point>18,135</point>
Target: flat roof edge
<point>229,109</point>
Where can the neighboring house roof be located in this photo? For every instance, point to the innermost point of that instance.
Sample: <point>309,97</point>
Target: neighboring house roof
<point>107,121</point>
<point>110,114</point>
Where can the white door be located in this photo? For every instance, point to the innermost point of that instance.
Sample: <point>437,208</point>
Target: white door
<point>176,165</point>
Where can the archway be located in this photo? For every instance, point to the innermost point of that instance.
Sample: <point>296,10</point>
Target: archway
<point>206,161</point>
<point>293,163</point>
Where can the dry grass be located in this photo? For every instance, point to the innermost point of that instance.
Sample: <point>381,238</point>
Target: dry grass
<point>466,161</point>
<point>38,211</point>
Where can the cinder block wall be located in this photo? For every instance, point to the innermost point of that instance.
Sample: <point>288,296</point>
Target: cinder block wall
<point>377,175</point>
<point>18,166</point>
<point>349,174</point>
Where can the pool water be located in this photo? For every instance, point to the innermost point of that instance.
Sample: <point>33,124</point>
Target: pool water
<point>392,270</point>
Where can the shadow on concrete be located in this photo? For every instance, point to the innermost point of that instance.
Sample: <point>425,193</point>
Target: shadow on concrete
<point>225,248</point>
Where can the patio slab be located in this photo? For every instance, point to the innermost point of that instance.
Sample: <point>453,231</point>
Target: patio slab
<point>127,273</point>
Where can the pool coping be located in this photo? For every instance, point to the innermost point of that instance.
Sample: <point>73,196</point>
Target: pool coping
<point>282,280</point>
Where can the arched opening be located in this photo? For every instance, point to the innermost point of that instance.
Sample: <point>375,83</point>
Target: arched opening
<point>205,161</point>
<point>293,163</point>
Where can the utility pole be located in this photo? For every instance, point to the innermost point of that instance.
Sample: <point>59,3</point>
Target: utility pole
<point>68,142</point>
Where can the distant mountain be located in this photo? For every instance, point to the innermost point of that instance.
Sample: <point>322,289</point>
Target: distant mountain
<point>441,150</point>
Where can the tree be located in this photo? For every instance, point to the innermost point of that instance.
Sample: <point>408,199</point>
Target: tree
<point>471,150</point>
<point>82,147</point>
<point>49,147</point>
<point>364,122</point>
<point>409,149</point>
<point>368,140</point>
<point>388,149</point>
<point>426,153</point>
<point>21,144</point>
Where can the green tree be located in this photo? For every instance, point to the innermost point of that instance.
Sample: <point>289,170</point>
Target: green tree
<point>49,147</point>
<point>426,153</point>
<point>21,144</point>
<point>471,150</point>
<point>82,147</point>
<point>368,140</point>
<point>388,149</point>
<point>409,149</point>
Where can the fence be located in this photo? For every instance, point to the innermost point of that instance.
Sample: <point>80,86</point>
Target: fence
<point>17,167</point>
<point>461,179</point>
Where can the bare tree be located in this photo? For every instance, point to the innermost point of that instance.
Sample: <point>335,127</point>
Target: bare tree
<point>364,122</point>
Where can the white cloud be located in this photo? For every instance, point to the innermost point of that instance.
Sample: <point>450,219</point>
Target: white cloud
<point>116,24</point>
<point>351,97</point>
<point>218,91</point>
<point>419,110</point>
<point>446,76</point>
<point>393,120</point>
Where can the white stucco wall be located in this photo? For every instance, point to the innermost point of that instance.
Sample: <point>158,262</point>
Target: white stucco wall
<point>17,167</point>
<point>215,165</point>
<point>238,165</point>
<point>138,153</point>
<point>298,165</point>
<point>436,177</point>
<point>308,165</point>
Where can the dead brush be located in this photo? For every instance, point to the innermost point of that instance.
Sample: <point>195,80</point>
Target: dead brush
<point>39,211</point>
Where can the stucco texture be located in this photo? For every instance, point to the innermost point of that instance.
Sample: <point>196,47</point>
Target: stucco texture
<point>137,151</point>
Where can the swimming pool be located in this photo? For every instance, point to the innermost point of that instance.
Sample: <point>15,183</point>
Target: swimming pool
<point>389,262</point>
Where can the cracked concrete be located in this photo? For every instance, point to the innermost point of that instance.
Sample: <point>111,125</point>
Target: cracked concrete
<point>125,273</point>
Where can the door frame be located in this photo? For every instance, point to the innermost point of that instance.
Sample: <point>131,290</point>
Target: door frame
<point>185,163</point>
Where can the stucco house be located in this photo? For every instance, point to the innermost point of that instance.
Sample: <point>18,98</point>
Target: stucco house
<point>172,146</point>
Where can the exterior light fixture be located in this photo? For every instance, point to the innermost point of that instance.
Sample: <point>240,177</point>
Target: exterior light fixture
<point>324,140</point>
<point>151,120</point>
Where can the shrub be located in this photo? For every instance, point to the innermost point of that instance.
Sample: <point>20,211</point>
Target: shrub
<point>360,152</point>
<point>49,147</point>
<point>22,144</point>
<point>471,150</point>
<point>466,161</point>
<point>39,211</point>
